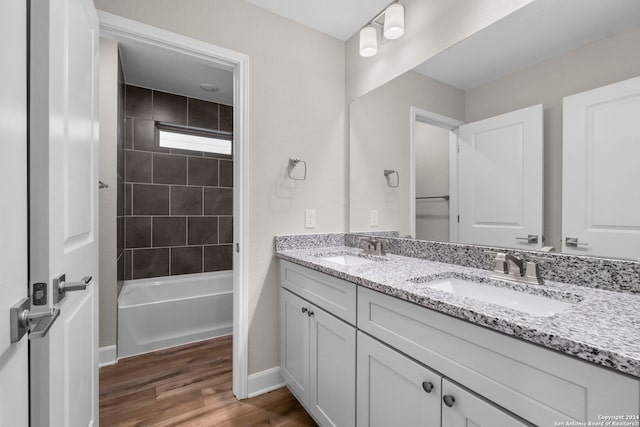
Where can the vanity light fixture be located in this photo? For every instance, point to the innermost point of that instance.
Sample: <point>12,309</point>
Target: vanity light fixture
<point>368,41</point>
<point>390,20</point>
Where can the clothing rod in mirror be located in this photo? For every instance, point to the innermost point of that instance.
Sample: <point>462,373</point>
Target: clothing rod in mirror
<point>445,197</point>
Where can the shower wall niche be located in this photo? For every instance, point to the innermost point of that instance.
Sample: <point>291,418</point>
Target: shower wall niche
<point>178,204</point>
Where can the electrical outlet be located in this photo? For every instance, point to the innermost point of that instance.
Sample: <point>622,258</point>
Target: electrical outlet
<point>373,222</point>
<point>310,218</point>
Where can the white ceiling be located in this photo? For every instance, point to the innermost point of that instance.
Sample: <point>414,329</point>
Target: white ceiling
<point>338,18</point>
<point>172,72</point>
<point>539,31</point>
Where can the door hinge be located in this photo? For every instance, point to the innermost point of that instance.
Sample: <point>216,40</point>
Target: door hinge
<point>238,247</point>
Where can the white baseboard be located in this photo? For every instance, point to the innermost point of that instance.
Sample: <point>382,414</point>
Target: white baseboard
<point>107,356</point>
<point>264,382</point>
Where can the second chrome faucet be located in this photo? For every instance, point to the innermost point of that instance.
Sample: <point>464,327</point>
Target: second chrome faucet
<point>511,267</point>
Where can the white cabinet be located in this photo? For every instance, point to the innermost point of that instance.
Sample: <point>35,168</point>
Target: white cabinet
<point>461,408</point>
<point>539,385</point>
<point>393,390</point>
<point>332,370</point>
<point>419,367</point>
<point>317,348</point>
<point>294,344</point>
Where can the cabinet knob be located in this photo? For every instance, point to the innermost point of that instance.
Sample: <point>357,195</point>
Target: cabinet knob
<point>448,400</point>
<point>304,309</point>
<point>427,386</point>
<point>310,313</point>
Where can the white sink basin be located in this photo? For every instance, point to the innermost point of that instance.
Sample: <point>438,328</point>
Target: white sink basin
<point>535,305</point>
<point>347,260</point>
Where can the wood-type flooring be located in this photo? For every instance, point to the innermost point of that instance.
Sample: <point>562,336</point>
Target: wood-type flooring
<point>189,386</point>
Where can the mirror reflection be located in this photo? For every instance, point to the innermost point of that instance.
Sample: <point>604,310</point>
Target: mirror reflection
<point>532,59</point>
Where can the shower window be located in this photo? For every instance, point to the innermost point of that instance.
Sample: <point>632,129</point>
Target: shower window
<point>194,139</point>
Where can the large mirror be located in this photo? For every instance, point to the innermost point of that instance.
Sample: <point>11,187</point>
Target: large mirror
<point>404,136</point>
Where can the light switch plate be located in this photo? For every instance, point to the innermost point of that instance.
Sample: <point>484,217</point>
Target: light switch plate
<point>310,218</point>
<point>374,219</point>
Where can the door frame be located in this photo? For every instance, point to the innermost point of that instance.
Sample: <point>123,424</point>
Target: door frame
<point>424,116</point>
<point>117,28</point>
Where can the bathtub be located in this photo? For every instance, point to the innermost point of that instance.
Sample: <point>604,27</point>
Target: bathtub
<point>168,311</point>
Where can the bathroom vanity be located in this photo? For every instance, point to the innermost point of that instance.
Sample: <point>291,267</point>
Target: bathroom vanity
<point>382,340</point>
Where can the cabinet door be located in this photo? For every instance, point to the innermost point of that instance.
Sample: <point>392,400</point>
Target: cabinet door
<point>461,408</point>
<point>392,389</point>
<point>332,390</point>
<point>294,344</point>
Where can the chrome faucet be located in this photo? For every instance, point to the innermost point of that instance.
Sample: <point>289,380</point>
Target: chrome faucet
<point>372,246</point>
<point>511,267</point>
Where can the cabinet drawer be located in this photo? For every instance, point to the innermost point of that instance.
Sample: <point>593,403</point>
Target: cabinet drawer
<point>336,296</point>
<point>540,385</point>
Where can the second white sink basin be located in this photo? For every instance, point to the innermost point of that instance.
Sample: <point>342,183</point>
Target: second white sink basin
<point>535,305</point>
<point>347,260</point>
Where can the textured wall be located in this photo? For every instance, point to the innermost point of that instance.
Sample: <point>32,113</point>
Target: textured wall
<point>296,109</point>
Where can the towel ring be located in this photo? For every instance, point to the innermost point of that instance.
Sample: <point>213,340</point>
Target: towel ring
<point>293,163</point>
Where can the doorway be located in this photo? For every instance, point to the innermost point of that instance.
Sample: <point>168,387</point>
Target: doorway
<point>123,30</point>
<point>433,176</point>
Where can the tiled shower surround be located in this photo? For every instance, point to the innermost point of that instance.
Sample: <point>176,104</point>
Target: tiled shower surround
<point>178,204</point>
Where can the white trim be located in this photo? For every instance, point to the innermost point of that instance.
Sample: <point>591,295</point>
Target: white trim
<point>419,115</point>
<point>107,356</point>
<point>122,29</point>
<point>265,381</point>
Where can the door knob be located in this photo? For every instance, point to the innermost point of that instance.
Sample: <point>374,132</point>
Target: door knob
<point>22,318</point>
<point>531,239</point>
<point>448,400</point>
<point>573,242</point>
<point>61,286</point>
<point>427,386</point>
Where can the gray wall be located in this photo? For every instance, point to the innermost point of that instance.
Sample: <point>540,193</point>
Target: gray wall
<point>108,227</point>
<point>379,139</point>
<point>296,109</point>
<point>604,62</point>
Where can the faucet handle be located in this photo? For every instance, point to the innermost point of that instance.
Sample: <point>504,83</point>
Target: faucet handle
<point>500,260</point>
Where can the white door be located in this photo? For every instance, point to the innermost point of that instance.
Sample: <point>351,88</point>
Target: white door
<point>294,344</point>
<point>501,180</point>
<point>601,172</point>
<point>460,408</point>
<point>63,194</point>
<point>14,397</point>
<point>332,369</point>
<point>393,390</point>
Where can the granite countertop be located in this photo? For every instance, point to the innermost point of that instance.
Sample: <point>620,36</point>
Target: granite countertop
<point>602,326</point>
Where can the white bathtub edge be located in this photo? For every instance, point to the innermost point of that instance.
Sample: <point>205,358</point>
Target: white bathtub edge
<point>107,356</point>
<point>264,382</point>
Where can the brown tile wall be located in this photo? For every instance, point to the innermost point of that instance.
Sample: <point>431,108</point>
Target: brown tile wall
<point>177,204</point>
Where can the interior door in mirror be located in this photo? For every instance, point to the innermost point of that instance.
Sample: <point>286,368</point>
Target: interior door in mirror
<point>600,172</point>
<point>500,180</point>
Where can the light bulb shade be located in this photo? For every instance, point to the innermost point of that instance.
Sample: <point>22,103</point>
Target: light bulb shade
<point>368,41</point>
<point>394,21</point>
